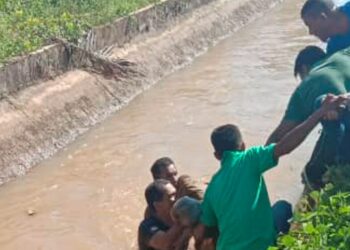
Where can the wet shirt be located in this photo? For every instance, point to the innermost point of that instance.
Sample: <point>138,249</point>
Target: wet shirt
<point>340,42</point>
<point>330,76</point>
<point>237,202</point>
<point>147,229</point>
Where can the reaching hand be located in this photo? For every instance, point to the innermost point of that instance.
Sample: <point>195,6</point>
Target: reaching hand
<point>331,115</point>
<point>331,104</point>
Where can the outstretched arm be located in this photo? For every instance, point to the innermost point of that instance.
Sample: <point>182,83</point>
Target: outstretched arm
<point>283,128</point>
<point>296,136</point>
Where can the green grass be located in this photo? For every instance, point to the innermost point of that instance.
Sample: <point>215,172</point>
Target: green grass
<point>325,224</point>
<point>26,25</point>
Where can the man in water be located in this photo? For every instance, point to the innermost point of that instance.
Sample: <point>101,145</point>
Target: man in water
<point>164,168</point>
<point>158,231</point>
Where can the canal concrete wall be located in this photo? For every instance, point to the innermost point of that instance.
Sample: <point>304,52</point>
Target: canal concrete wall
<point>53,95</point>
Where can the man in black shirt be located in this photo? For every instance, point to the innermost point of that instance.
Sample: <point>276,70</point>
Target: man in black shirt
<point>158,232</point>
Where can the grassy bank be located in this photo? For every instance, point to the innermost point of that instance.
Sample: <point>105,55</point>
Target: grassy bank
<point>326,224</point>
<point>26,25</point>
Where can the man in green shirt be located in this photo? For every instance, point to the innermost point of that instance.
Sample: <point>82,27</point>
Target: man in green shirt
<point>331,75</point>
<point>236,200</point>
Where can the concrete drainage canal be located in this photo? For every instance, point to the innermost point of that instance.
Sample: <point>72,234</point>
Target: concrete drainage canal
<point>90,194</point>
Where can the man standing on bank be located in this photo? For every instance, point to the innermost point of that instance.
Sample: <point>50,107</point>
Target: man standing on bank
<point>329,23</point>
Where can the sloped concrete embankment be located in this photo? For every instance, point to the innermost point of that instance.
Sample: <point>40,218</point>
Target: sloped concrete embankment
<point>49,97</point>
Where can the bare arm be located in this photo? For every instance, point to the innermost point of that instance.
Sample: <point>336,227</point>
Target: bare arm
<point>165,240</point>
<point>295,137</point>
<point>205,237</point>
<point>283,128</point>
<point>183,240</point>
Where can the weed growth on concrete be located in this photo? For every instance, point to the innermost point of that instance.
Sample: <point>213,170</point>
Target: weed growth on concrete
<point>26,25</point>
<point>326,223</point>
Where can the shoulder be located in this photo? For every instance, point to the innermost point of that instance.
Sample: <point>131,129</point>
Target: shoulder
<point>260,150</point>
<point>145,225</point>
<point>324,78</point>
<point>215,181</point>
<point>257,149</point>
<point>345,8</point>
<point>150,226</point>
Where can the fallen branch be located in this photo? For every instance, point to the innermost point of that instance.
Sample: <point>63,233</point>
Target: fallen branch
<point>93,62</point>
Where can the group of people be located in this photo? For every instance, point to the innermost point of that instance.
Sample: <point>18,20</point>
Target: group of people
<point>235,211</point>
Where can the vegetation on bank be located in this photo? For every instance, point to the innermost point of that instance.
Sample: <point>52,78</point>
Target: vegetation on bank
<point>26,25</point>
<point>324,225</point>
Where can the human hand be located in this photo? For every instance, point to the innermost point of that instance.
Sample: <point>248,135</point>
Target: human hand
<point>331,115</point>
<point>330,105</point>
<point>208,244</point>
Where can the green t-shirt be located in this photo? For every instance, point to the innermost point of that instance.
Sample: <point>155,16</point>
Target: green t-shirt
<point>237,202</point>
<point>331,75</point>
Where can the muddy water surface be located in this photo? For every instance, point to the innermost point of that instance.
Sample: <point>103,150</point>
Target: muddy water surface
<point>90,196</point>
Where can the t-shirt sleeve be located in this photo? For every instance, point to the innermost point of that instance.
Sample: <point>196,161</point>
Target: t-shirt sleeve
<point>147,230</point>
<point>263,157</point>
<point>294,110</point>
<point>303,100</point>
<point>208,216</point>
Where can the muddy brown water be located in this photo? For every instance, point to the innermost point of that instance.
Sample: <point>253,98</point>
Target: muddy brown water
<point>90,195</point>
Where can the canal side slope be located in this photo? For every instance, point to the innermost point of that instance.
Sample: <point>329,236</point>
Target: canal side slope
<point>53,95</point>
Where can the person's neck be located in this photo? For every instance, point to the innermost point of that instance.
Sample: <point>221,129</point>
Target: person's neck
<point>341,23</point>
<point>165,218</point>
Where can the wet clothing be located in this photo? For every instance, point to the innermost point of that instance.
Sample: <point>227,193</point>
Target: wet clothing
<point>331,75</point>
<point>147,229</point>
<point>282,212</point>
<point>186,186</point>
<point>340,42</point>
<point>237,202</point>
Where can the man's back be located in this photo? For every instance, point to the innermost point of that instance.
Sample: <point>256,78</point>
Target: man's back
<point>237,200</point>
<point>331,75</point>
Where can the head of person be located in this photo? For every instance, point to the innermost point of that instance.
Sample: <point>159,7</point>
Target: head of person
<point>160,197</point>
<point>186,211</point>
<point>305,59</point>
<point>226,138</point>
<point>164,168</point>
<point>318,17</point>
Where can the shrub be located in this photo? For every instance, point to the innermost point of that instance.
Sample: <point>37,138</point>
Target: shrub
<point>27,25</point>
<point>326,225</point>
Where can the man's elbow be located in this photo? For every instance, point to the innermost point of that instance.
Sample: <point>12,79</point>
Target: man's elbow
<point>271,139</point>
<point>161,243</point>
<point>275,137</point>
<point>284,128</point>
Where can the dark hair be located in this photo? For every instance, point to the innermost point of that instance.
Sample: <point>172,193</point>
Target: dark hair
<point>307,57</point>
<point>155,192</point>
<point>159,165</point>
<point>226,138</point>
<point>314,8</point>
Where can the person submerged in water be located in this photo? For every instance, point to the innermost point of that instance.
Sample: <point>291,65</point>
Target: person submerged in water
<point>165,168</point>
<point>187,212</point>
<point>159,231</point>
